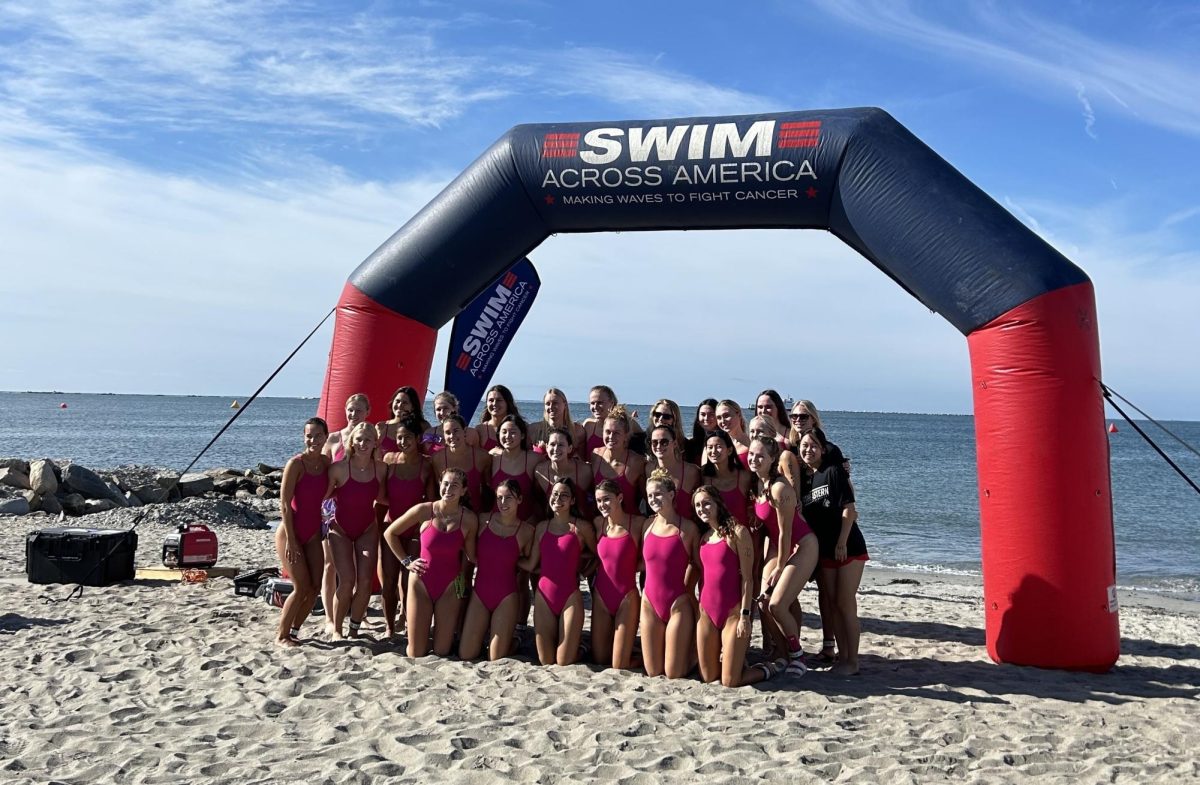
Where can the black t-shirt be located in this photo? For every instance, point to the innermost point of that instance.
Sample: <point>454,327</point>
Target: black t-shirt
<point>825,495</point>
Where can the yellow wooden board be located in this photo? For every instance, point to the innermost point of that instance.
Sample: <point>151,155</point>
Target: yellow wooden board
<point>169,574</point>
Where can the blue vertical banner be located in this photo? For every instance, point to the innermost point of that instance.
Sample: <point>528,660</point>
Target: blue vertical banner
<point>483,330</point>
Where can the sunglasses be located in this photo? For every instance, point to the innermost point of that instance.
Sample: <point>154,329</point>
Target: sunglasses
<point>659,442</point>
<point>662,415</point>
<point>802,416</point>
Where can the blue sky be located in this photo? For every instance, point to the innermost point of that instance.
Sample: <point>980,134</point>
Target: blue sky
<point>184,186</point>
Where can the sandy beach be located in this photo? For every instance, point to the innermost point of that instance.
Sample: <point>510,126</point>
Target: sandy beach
<point>167,683</point>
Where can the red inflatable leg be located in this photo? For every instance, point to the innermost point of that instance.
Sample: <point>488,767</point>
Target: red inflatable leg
<point>1049,567</point>
<point>375,350</point>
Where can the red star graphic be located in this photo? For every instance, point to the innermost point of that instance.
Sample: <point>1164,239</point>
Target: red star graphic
<point>811,192</point>
<point>549,199</point>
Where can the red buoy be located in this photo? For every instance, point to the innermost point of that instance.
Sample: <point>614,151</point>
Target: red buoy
<point>1112,427</point>
<point>62,406</point>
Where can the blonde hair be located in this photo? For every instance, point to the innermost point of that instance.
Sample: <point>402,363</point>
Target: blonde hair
<point>361,398</point>
<point>621,415</point>
<point>362,426</point>
<point>663,478</point>
<point>768,426</point>
<point>567,423</point>
<point>794,433</point>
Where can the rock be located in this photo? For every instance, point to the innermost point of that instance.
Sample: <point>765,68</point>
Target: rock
<point>72,503</point>
<point>166,479</point>
<point>16,506</point>
<point>276,476</point>
<point>264,468</point>
<point>116,496</point>
<point>150,494</point>
<point>41,477</point>
<point>83,480</point>
<point>221,473</point>
<point>15,463</point>
<point>195,484</point>
<point>131,500</point>
<point>243,495</point>
<point>263,492</point>
<point>50,504</point>
<point>14,478</point>
<point>226,485</point>
<point>98,505</point>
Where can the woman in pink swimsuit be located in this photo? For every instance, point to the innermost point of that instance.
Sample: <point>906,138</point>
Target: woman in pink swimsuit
<point>616,603</point>
<point>666,454</point>
<point>357,484</point>
<point>516,462</point>
<point>561,463</point>
<point>495,603</point>
<point>722,470</point>
<point>497,404</point>
<point>615,461</point>
<point>556,415</point>
<point>790,554</point>
<point>669,551</point>
<point>474,462</point>
<point>357,409</point>
<point>561,544</point>
<point>298,538</point>
<point>723,627</point>
<point>732,420</point>
<point>409,482</point>
<point>435,587</point>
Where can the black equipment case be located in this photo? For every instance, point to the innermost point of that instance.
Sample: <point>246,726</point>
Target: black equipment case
<point>92,557</point>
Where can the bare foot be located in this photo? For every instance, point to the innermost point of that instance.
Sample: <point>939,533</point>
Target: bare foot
<point>331,630</point>
<point>288,641</point>
<point>844,669</point>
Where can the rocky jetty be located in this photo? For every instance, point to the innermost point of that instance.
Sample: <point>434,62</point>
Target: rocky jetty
<point>243,497</point>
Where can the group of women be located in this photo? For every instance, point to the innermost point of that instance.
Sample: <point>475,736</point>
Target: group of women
<point>679,537</point>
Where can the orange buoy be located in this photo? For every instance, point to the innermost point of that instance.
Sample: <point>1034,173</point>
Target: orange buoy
<point>1112,427</point>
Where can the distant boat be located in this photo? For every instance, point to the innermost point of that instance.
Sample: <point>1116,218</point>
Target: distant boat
<point>789,402</point>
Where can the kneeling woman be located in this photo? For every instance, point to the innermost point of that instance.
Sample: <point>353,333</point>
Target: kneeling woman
<point>616,603</point>
<point>829,506</point>
<point>357,484</point>
<point>447,530</point>
<point>669,553</point>
<point>790,550</point>
<point>723,629</point>
<point>496,601</point>
<point>298,538</point>
<point>560,545</point>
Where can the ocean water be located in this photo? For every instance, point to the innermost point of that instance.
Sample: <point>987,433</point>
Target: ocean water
<point>914,473</point>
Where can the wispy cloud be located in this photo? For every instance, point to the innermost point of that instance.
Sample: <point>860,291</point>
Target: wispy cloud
<point>1089,116</point>
<point>1041,55</point>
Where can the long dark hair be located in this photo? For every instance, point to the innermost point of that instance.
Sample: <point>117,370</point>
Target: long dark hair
<point>726,523</point>
<point>414,401</point>
<point>573,508</point>
<point>731,459</point>
<point>698,432</point>
<point>781,417</point>
<point>509,403</point>
<point>521,426</point>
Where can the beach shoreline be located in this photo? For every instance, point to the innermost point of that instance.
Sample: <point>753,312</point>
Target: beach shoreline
<point>150,682</point>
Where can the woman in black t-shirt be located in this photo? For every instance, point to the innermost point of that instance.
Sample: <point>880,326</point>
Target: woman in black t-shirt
<point>828,504</point>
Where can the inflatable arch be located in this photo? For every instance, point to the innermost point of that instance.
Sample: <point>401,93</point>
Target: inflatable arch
<point>1027,312</point>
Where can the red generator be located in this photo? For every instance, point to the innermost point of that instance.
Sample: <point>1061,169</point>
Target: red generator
<point>194,545</point>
